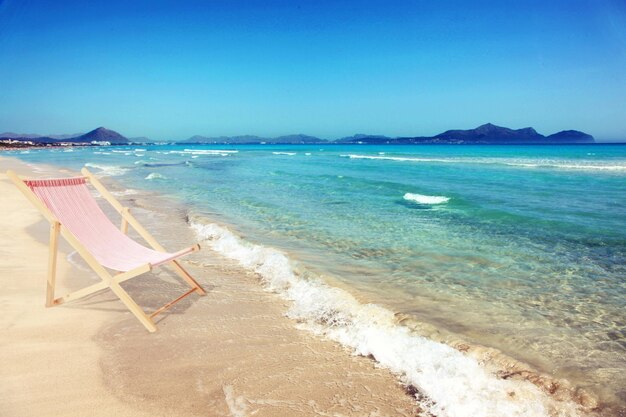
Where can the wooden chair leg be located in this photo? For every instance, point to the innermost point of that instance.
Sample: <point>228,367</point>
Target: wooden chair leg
<point>113,283</point>
<point>132,306</point>
<point>81,293</point>
<point>55,227</point>
<point>187,277</point>
<point>104,284</point>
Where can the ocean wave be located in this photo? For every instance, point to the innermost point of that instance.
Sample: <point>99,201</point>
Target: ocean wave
<point>123,152</point>
<point>164,164</point>
<point>449,383</point>
<point>571,165</point>
<point>107,170</point>
<point>396,158</point>
<point>426,199</point>
<point>209,152</point>
<point>584,165</point>
<point>155,176</point>
<point>284,153</point>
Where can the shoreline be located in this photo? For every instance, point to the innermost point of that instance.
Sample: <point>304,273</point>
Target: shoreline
<point>505,367</point>
<point>230,353</point>
<point>562,398</point>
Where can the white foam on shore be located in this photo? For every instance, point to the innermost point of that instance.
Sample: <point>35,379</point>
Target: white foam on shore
<point>107,170</point>
<point>451,384</point>
<point>583,165</point>
<point>426,199</point>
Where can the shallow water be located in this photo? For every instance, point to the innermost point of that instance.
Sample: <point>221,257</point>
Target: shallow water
<point>521,248</point>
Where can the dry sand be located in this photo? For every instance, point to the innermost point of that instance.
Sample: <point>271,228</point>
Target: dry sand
<point>230,353</point>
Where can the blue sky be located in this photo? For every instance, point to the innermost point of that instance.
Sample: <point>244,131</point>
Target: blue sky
<point>168,70</point>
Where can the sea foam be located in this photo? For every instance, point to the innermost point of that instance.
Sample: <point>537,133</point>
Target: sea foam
<point>396,158</point>
<point>155,176</point>
<point>426,199</point>
<point>209,152</point>
<point>107,170</point>
<point>449,383</point>
<point>579,165</point>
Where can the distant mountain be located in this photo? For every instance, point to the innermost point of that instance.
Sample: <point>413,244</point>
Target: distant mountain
<point>250,139</point>
<point>197,139</point>
<point>63,137</point>
<point>361,138</point>
<point>485,134</point>
<point>489,133</point>
<point>571,136</point>
<point>296,139</point>
<point>11,135</point>
<point>98,135</point>
<point>224,139</point>
<point>492,134</point>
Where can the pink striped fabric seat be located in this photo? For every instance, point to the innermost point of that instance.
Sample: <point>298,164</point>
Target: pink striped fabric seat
<point>71,202</point>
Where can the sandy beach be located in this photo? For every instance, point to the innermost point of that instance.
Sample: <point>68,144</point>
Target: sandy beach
<point>230,353</point>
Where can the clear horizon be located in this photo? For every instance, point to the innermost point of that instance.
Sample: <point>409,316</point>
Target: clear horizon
<point>328,69</point>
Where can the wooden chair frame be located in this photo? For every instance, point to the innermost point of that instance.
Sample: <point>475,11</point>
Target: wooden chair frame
<point>108,280</point>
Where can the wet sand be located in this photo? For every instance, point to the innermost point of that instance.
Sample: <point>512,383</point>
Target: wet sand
<point>230,353</point>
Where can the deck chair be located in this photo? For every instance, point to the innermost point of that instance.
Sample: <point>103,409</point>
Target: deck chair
<point>74,214</point>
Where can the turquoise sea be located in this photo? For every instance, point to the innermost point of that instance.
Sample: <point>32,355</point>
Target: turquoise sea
<point>517,248</point>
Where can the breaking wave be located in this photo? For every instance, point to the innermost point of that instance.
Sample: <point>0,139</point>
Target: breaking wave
<point>208,152</point>
<point>155,176</point>
<point>582,165</point>
<point>426,199</point>
<point>449,383</point>
<point>107,170</point>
